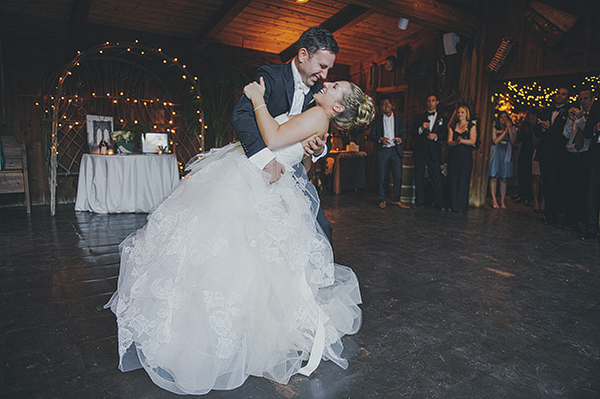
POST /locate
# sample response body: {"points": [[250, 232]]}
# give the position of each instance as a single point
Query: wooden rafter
{"points": [[225, 14], [426, 12], [345, 16]]}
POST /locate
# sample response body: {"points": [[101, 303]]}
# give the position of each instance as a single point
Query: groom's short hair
{"points": [[317, 38]]}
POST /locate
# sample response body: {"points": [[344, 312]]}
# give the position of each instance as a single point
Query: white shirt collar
{"points": [[298, 83]]}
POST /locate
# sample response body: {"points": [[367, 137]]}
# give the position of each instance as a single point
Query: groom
{"points": [[289, 90]]}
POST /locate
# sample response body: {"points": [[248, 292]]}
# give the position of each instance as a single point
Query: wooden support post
{"points": [[483, 108]]}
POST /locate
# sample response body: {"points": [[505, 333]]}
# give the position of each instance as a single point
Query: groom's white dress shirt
{"points": [[264, 156]]}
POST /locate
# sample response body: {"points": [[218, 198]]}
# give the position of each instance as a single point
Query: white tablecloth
{"points": [[124, 183]]}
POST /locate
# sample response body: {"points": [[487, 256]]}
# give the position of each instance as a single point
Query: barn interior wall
{"points": [[33, 51]]}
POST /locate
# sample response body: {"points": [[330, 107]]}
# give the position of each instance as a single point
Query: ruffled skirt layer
{"points": [[231, 277]]}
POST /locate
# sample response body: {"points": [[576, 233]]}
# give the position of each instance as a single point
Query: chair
{"points": [[13, 175]]}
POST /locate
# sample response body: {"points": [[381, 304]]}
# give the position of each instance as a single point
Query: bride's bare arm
{"points": [[297, 129]]}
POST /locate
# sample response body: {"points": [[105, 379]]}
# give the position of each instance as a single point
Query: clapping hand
{"points": [[545, 124], [575, 113], [255, 91]]}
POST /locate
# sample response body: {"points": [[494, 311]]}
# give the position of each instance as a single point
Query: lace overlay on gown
{"points": [[231, 277]]}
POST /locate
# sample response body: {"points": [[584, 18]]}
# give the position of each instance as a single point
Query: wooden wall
{"points": [[424, 52], [30, 57], [532, 59], [31, 54]]}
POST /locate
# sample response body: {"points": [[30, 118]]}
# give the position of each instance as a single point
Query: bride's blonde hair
{"points": [[359, 109]]}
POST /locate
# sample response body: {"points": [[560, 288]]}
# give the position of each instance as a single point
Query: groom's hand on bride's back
{"points": [[274, 169], [316, 146]]}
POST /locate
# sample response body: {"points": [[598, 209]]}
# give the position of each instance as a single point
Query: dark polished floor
{"points": [[492, 304]]}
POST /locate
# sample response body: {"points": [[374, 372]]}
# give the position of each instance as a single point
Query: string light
{"points": [[56, 103], [536, 95]]}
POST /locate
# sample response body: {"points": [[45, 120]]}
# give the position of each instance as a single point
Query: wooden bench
{"points": [[13, 175]]}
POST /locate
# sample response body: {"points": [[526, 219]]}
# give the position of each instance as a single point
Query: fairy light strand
{"points": [[536, 95], [55, 101]]}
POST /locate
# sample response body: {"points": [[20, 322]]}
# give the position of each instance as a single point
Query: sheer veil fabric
{"points": [[232, 277]]}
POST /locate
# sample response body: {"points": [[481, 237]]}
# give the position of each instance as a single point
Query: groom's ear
{"points": [[303, 55]]}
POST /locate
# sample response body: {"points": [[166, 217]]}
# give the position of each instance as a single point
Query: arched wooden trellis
{"points": [[132, 83]]}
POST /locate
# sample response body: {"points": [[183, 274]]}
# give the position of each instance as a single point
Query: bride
{"points": [[232, 276]]}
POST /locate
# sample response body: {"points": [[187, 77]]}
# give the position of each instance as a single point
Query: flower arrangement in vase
{"points": [[127, 140]]}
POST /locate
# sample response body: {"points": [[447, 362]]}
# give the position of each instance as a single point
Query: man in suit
{"points": [[525, 137], [552, 154], [592, 131], [289, 90], [387, 130], [577, 168], [430, 131]]}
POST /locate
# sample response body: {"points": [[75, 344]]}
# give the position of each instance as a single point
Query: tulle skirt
{"points": [[231, 277]]}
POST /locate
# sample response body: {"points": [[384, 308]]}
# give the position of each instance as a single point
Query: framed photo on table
{"points": [[155, 143], [98, 132]]}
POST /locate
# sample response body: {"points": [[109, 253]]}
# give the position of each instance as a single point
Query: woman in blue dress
{"points": [[462, 136], [504, 136]]}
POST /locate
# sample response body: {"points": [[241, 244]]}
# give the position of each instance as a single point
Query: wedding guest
{"points": [[462, 135], [504, 138], [429, 133], [552, 153], [592, 131], [388, 132], [525, 139], [536, 174], [577, 165]]}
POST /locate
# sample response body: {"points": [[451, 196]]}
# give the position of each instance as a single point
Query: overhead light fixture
{"points": [[402, 23], [301, 1]]}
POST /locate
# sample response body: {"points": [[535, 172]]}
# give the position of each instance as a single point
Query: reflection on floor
{"points": [[492, 304]]}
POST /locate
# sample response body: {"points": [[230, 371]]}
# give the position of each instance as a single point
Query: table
{"points": [[125, 183], [349, 170]]}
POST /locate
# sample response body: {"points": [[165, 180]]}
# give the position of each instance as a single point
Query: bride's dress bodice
{"points": [[293, 153]]}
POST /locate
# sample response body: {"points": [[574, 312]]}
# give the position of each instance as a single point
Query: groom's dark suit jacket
{"points": [[279, 93]]}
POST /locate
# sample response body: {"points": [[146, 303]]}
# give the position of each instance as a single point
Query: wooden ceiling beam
{"points": [[79, 16], [337, 21], [224, 15], [473, 9], [431, 13]]}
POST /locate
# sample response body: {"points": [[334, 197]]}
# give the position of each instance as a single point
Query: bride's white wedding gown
{"points": [[232, 277]]}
